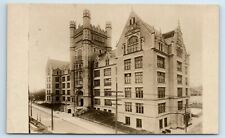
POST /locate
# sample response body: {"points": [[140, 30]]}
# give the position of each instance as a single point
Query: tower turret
{"points": [[108, 28], [86, 19]]}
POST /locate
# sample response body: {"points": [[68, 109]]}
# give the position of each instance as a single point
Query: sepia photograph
{"points": [[115, 69]]}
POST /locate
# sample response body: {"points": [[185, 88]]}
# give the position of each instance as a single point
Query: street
{"points": [[65, 123]]}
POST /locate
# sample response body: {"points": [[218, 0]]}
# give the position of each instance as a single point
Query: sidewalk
{"points": [[91, 126]]}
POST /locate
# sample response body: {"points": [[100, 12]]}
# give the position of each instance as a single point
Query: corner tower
{"points": [[87, 42]]}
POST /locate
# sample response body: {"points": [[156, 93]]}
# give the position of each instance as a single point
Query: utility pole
{"points": [[52, 127], [116, 109], [29, 111], [185, 118]]}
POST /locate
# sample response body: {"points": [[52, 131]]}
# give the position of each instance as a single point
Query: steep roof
{"points": [[168, 34], [54, 64]]}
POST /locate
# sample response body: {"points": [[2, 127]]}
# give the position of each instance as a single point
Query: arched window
{"points": [[132, 45]]}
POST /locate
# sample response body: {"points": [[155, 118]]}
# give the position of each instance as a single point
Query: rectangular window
{"points": [[179, 92], [56, 79], [186, 91], [179, 66], [165, 122], [57, 92], [186, 81], [160, 62], [107, 72], [179, 79], [108, 102], [128, 106], [68, 85], [68, 98], [63, 79], [96, 82], [97, 73], [180, 105], [161, 92], [128, 92], [57, 98], [186, 70], [127, 120], [63, 92], [139, 92], [64, 98], [107, 82], [127, 78], [161, 77], [97, 101], [138, 77], [107, 92], [68, 78], [187, 102], [96, 92], [161, 108], [127, 64], [68, 92], [138, 123], [160, 123], [139, 108], [56, 86], [63, 85], [138, 62]]}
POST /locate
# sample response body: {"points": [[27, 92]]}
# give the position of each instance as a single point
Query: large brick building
{"points": [[149, 68]]}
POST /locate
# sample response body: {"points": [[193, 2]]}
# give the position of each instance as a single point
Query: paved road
{"points": [[65, 123]]}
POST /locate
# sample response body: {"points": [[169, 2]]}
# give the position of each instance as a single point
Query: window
{"points": [[107, 72], [108, 102], [139, 92], [107, 82], [63, 92], [138, 123], [127, 64], [96, 92], [56, 79], [128, 106], [127, 120], [68, 78], [68, 98], [56, 86], [187, 102], [96, 82], [160, 123], [179, 52], [57, 92], [97, 101], [138, 62], [128, 92], [165, 122], [139, 108], [161, 92], [57, 98], [186, 91], [179, 79], [180, 105], [161, 77], [132, 45], [179, 92], [96, 64], [63, 85], [161, 108], [160, 46], [179, 66], [68, 85], [109, 111], [68, 92], [186, 81], [64, 98], [127, 78], [132, 20], [63, 78], [107, 62], [97, 73], [186, 70], [160, 62], [138, 77], [107, 92]]}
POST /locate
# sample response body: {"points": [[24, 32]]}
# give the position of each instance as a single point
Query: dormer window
{"points": [[107, 62], [132, 20]]}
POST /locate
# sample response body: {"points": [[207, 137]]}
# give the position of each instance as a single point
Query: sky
{"points": [[49, 31]]}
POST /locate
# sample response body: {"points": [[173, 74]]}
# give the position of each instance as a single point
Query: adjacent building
{"points": [[149, 70]]}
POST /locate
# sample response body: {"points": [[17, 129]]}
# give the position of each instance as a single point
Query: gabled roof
{"points": [[54, 64], [168, 34]]}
